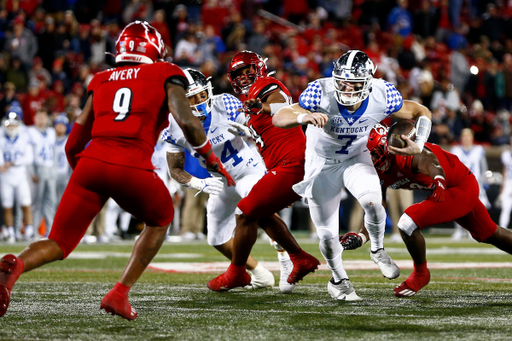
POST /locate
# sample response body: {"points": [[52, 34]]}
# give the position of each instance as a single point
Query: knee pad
{"points": [[406, 224], [330, 248], [372, 205]]}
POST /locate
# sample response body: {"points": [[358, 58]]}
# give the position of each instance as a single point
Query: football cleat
{"points": [[303, 264], [286, 266], [387, 266], [414, 283], [342, 291], [10, 270], [403, 290], [226, 282], [351, 241], [261, 278], [117, 304]]}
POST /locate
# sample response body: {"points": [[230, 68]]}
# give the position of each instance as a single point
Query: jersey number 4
{"points": [[122, 103]]}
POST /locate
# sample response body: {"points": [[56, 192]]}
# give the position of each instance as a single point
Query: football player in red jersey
{"points": [[126, 110], [454, 198], [283, 152]]}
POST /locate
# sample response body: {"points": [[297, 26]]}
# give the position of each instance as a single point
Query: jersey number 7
{"points": [[122, 103]]}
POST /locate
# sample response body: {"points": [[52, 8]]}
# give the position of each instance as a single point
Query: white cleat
{"points": [[342, 291], [286, 265], [261, 278], [387, 266]]}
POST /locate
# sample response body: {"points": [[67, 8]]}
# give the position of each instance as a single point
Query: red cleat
{"points": [[116, 303], [229, 280], [303, 264], [11, 267], [412, 284]]}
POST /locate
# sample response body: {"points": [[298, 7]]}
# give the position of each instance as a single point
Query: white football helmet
{"points": [[197, 84], [11, 124], [352, 76]]}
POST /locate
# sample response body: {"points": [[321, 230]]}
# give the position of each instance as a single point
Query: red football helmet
{"points": [[139, 42], [378, 146], [242, 82]]}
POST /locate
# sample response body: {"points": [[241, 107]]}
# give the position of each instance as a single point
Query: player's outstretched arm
{"points": [[427, 163], [176, 163], [294, 115], [414, 111], [192, 128], [269, 105], [80, 134]]}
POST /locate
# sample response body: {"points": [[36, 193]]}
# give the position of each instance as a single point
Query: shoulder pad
{"points": [[264, 86]]}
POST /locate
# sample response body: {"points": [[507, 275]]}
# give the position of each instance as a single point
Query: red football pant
{"points": [[272, 192], [461, 205], [140, 192]]}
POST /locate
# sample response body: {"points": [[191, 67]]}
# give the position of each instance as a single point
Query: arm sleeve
{"points": [[394, 100], [310, 98]]}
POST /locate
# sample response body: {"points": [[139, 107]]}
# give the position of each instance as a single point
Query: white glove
{"points": [[208, 185], [239, 129]]}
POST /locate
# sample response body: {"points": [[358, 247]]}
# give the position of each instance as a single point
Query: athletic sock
{"points": [[121, 288]]}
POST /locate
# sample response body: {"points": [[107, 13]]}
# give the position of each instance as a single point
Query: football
{"points": [[402, 127]]}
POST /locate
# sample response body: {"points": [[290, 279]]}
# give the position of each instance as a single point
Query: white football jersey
{"points": [[159, 160], [473, 158], [506, 160], [233, 152], [345, 134], [17, 150], [63, 167], [43, 144]]}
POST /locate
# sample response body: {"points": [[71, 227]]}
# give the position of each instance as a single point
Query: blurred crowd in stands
{"points": [[453, 56]]}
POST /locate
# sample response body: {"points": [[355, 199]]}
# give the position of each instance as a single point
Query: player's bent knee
{"points": [[324, 233], [371, 203], [406, 224]]}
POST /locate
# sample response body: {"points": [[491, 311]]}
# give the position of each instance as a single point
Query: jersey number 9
{"points": [[122, 103]]}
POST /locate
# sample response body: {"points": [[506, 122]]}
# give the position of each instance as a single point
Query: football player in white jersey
{"points": [[43, 140], [505, 196], [60, 124], [16, 154], [340, 112], [240, 161], [473, 157]]}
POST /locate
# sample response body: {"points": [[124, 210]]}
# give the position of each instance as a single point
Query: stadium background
{"points": [[453, 56]]}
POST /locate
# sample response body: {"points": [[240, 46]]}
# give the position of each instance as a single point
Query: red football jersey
{"points": [[400, 174], [277, 146], [130, 110]]}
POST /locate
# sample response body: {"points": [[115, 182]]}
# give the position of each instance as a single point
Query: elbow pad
{"points": [[423, 127]]}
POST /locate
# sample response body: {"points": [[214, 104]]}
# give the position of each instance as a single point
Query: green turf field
{"points": [[61, 300]]}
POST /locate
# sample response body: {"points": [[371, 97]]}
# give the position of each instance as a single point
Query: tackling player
{"points": [[283, 153], [340, 112], [125, 112], [455, 197], [246, 168]]}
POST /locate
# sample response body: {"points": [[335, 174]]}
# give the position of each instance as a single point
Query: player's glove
{"points": [[213, 163], [253, 106], [209, 185], [439, 188], [351, 241], [239, 129]]}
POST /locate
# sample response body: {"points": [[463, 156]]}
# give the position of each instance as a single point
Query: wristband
{"points": [[423, 127], [300, 118], [203, 150], [363, 238], [275, 107], [192, 183]]}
